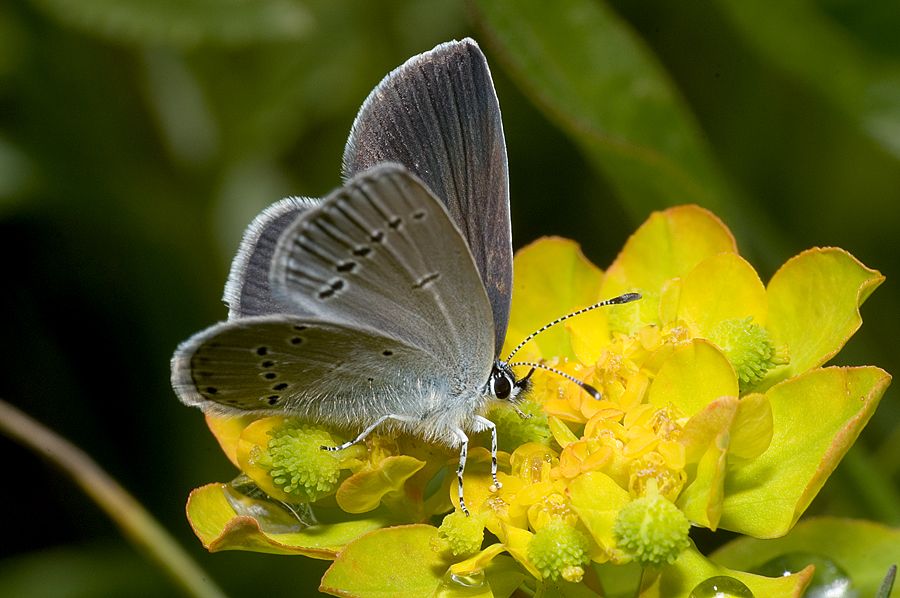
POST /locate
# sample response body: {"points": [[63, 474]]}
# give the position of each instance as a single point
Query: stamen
{"points": [[584, 385], [626, 298]]}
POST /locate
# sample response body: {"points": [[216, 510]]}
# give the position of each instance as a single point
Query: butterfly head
{"points": [[503, 384]]}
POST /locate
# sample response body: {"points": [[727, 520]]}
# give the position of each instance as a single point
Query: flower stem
{"points": [[135, 522]]}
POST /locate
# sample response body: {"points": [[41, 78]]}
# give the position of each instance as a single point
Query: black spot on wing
{"points": [[426, 280], [332, 288]]}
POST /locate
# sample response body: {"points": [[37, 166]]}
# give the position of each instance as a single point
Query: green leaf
{"points": [[814, 301], [863, 549], [184, 23], [816, 418], [220, 527], [800, 40], [393, 562], [591, 74]]}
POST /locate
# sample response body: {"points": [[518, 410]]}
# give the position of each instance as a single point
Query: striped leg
{"points": [[489, 425], [463, 452], [367, 431]]}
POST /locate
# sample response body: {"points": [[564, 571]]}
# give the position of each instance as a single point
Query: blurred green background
{"points": [[139, 137]]}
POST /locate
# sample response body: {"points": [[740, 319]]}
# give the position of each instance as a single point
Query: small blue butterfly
{"points": [[386, 302]]}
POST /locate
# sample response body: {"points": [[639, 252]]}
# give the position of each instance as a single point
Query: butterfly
{"points": [[385, 303]]}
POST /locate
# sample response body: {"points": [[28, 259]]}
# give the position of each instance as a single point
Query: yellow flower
{"points": [[715, 412]]}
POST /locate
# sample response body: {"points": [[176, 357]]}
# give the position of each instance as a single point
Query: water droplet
{"points": [[273, 516], [472, 584], [829, 580], [721, 586]]}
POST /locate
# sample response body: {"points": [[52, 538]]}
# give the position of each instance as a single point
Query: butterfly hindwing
{"points": [[247, 292], [438, 115], [282, 363], [382, 254]]}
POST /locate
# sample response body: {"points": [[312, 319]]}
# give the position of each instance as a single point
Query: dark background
{"points": [[137, 139]]}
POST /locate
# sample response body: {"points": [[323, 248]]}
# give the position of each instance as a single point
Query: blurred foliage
{"points": [[138, 138]]}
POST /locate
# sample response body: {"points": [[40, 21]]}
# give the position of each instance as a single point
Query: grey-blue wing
{"points": [[247, 292], [438, 115], [327, 371], [382, 254]]}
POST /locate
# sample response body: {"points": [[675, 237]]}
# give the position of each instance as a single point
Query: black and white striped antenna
{"points": [[626, 298]]}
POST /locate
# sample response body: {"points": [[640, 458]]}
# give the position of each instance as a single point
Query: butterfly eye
{"points": [[500, 385]]}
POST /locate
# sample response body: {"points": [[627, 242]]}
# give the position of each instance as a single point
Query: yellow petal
{"points": [[814, 302], [752, 429], [516, 541], [227, 430], [477, 563], [706, 438], [597, 499], [668, 245], [722, 287], [562, 434], [364, 490], [817, 417], [553, 278], [691, 377]]}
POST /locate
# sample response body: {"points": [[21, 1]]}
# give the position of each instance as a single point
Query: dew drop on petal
{"points": [[828, 581], [721, 586], [472, 584]]}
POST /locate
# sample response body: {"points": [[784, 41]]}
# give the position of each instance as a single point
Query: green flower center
{"points": [[651, 530], [748, 347], [513, 430], [559, 550], [462, 535], [299, 467]]}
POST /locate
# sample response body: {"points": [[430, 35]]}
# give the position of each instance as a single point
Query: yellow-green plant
{"points": [[718, 411]]}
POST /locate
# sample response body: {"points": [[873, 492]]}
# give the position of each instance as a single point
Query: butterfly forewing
{"points": [[438, 115], [382, 253], [247, 292], [387, 315], [331, 372]]}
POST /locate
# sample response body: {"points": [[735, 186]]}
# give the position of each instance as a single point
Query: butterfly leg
{"points": [[486, 424], [463, 452], [367, 431], [521, 413]]}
